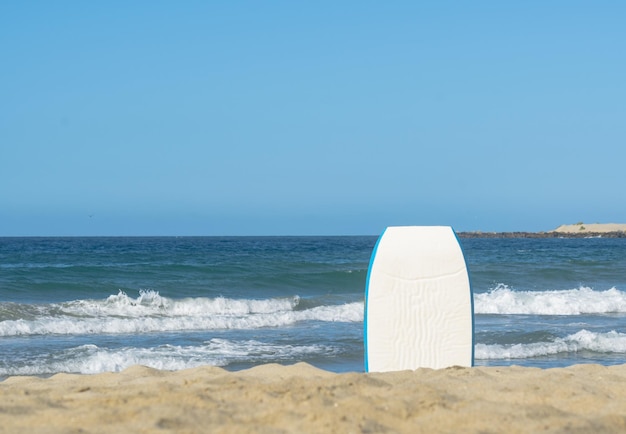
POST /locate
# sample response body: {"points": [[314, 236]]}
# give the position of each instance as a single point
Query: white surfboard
{"points": [[418, 301]]}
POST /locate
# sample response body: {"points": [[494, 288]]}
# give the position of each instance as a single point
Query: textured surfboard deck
{"points": [[418, 301]]}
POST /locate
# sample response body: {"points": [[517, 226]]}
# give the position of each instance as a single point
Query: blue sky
{"points": [[330, 117]]}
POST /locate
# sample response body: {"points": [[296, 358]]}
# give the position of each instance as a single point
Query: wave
{"points": [[150, 303], [584, 300], [151, 312], [91, 359], [584, 340]]}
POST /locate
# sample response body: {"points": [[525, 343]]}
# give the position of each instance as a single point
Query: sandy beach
{"points": [[301, 398], [591, 228]]}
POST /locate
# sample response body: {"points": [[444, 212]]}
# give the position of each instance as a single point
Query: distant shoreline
{"points": [[578, 230], [551, 234]]}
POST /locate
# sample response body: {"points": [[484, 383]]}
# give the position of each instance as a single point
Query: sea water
{"points": [[91, 305]]}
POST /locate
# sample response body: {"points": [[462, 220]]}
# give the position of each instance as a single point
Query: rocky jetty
{"points": [[551, 234], [578, 230]]}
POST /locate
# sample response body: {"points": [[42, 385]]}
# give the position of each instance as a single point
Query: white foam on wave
{"points": [[583, 300], [151, 303], [151, 312], [91, 359], [584, 340]]}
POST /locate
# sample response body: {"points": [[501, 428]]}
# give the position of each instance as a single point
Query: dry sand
{"points": [[592, 228], [303, 399]]}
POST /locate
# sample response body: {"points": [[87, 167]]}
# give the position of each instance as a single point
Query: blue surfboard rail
{"points": [[367, 285]]}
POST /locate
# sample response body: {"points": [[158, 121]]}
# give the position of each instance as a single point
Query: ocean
{"points": [[92, 305]]}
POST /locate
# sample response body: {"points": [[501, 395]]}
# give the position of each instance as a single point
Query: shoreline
{"points": [[302, 398], [578, 230], [551, 234]]}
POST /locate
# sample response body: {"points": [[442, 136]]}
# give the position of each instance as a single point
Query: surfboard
{"points": [[418, 301]]}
